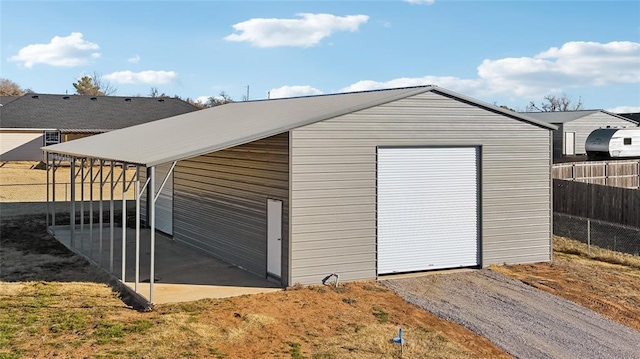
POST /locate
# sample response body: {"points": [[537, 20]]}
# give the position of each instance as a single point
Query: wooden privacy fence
{"points": [[611, 204], [625, 173]]}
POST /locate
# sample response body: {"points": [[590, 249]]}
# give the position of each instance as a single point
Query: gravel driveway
{"points": [[523, 321]]}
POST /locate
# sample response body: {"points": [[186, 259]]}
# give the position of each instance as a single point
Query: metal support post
{"points": [[91, 181], [101, 213], [73, 202], [152, 214], [82, 203], [124, 220], [111, 219]]}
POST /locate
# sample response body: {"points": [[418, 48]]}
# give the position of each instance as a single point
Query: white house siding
{"points": [[333, 183], [585, 125], [220, 201], [21, 146]]}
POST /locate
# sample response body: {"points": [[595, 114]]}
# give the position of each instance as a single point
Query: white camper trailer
{"points": [[613, 143]]}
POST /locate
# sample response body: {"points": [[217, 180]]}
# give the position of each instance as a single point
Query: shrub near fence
{"points": [[611, 204]]}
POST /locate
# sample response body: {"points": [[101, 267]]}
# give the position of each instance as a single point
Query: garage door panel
{"points": [[427, 208]]}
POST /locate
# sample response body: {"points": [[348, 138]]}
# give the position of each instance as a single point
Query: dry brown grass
{"points": [[46, 319], [570, 246], [53, 304], [24, 182]]}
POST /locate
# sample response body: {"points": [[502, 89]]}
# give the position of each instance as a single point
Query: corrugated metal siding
{"points": [[333, 201], [585, 125], [220, 201], [164, 204], [21, 146]]}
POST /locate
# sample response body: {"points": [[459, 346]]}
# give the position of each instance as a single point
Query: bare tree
{"points": [[10, 88], [94, 85], [221, 99], [554, 103]]}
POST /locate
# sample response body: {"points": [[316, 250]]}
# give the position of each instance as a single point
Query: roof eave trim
{"points": [[494, 108], [621, 117]]}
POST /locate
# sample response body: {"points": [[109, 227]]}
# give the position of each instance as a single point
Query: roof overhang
{"points": [[200, 132]]}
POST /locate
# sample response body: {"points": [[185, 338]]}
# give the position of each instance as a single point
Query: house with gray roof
{"points": [[356, 185], [575, 126], [34, 120], [635, 116]]}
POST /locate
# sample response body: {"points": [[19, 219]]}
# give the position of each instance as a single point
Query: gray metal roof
{"points": [[75, 112], [557, 117], [233, 124]]}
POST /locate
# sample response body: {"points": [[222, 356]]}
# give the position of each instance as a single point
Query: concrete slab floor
{"points": [[182, 273]]}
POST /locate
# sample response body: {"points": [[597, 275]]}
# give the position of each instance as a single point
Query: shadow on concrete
{"points": [[182, 273]]}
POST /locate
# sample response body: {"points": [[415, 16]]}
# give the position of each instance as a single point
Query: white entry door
{"points": [[427, 208], [274, 237], [570, 143]]}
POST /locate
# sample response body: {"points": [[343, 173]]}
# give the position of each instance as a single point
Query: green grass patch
{"points": [[139, 326], [69, 321], [217, 354], [323, 356], [294, 350], [106, 332], [349, 301], [7, 333], [380, 314], [16, 354]]}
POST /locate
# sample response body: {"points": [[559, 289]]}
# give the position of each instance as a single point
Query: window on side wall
{"points": [[627, 141], [51, 137]]}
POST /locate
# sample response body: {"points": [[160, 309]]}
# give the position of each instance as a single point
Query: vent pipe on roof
{"points": [[65, 97], [161, 100], [94, 99], [35, 96], [127, 100]]}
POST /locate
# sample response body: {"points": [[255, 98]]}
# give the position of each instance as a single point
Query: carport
{"points": [[127, 249]]}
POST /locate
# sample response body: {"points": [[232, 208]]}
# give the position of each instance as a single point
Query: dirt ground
{"points": [[54, 304]]}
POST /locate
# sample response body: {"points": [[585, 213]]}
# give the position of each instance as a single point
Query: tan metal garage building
{"points": [[356, 184]]}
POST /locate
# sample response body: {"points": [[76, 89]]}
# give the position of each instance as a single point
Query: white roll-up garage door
{"points": [[427, 208], [164, 204]]}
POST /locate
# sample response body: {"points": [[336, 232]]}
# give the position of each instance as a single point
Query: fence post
{"points": [[589, 236]]}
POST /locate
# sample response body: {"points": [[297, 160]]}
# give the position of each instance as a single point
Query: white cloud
{"points": [[624, 109], [202, 99], [452, 83], [575, 64], [293, 91], [68, 51], [134, 60], [307, 31], [142, 77], [418, 2]]}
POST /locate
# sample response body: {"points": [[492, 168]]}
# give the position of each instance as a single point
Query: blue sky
{"points": [[502, 52]]}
